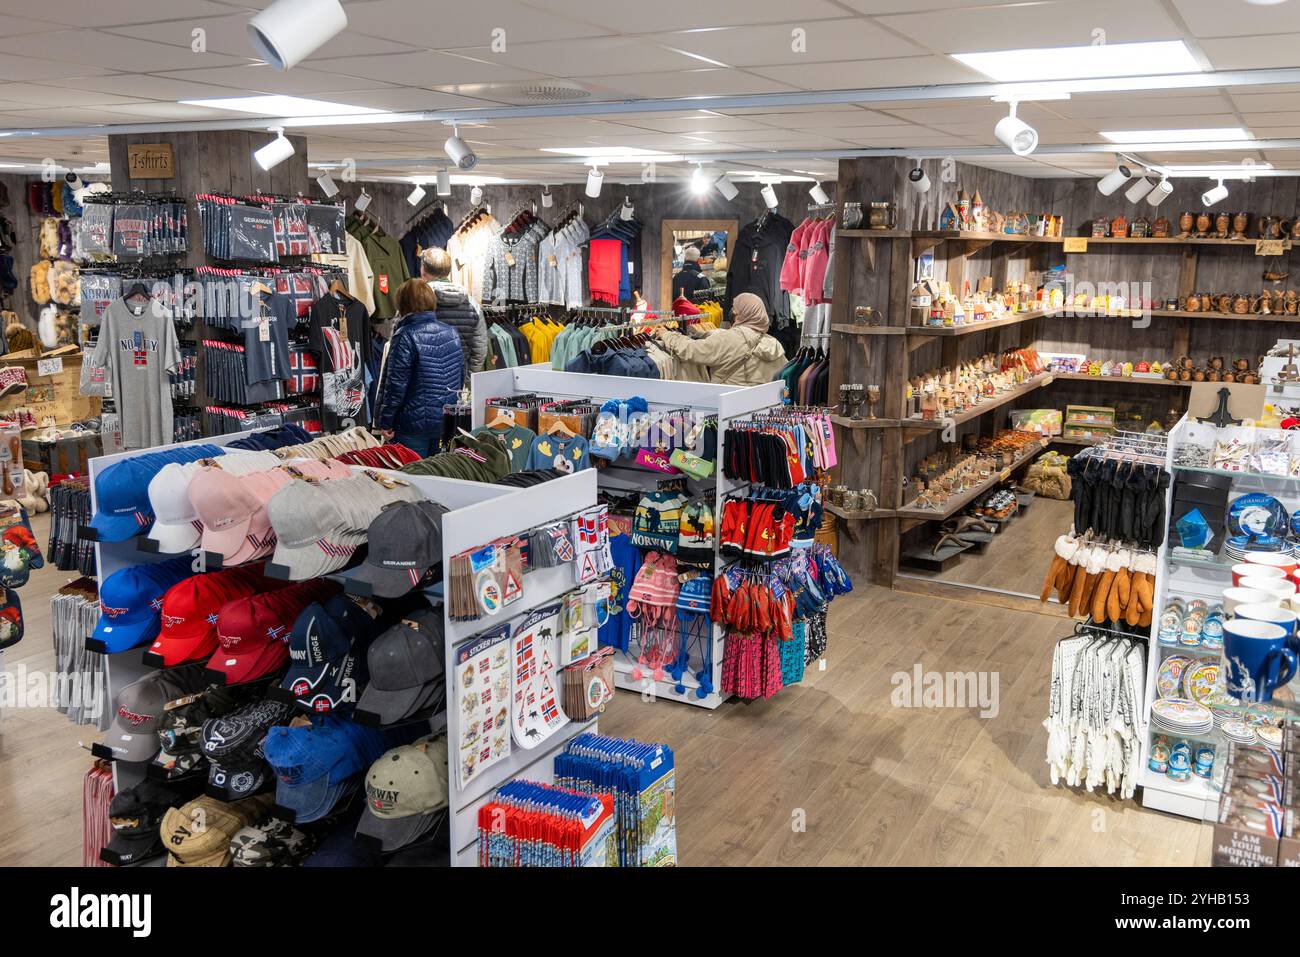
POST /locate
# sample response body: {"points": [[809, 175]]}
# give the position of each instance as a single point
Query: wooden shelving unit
{"points": [[988, 405], [962, 499], [1120, 380]]}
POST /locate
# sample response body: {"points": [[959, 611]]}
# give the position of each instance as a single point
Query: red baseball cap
{"points": [[253, 632], [189, 611]]}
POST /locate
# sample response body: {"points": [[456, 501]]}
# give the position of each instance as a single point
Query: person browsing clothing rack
{"points": [[456, 308], [422, 370], [742, 354]]}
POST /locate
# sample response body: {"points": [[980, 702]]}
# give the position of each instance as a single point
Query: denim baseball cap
{"points": [[122, 507], [130, 602]]}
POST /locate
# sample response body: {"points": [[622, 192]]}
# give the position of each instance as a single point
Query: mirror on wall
{"points": [[693, 256]]}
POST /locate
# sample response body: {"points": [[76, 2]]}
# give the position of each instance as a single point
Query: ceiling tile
{"points": [[139, 86], [229, 35], [1253, 53], [426, 69], [633, 18], [706, 82], [260, 78], [875, 7], [30, 68], [593, 56], [37, 94], [1253, 102], [690, 122], [1130, 106], [1208, 18], [824, 40], [1061, 23], [872, 73], [96, 13], [111, 51], [468, 24]]}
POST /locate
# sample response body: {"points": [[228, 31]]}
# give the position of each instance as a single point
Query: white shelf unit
{"points": [[725, 401], [479, 513]]}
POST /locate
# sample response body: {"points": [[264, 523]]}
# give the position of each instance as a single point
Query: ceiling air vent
{"points": [[547, 92]]}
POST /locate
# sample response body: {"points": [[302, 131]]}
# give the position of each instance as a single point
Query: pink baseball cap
{"points": [[225, 505], [259, 540]]}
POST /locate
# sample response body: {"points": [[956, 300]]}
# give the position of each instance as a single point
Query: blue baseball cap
{"points": [[327, 655], [130, 603], [122, 508], [320, 764]]}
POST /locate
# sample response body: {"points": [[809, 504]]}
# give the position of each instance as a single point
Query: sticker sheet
{"points": [[536, 707], [483, 668]]}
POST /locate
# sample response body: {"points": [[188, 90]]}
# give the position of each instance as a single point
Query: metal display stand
{"points": [[725, 401], [479, 513]]}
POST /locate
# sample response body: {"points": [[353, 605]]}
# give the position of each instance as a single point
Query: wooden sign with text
{"points": [[150, 161], [1074, 244]]}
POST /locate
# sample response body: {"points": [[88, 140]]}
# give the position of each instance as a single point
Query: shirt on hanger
{"points": [[138, 350]]}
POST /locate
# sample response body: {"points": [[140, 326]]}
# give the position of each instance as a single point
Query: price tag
{"points": [[49, 366], [631, 268], [510, 259], [1075, 244], [551, 260], [263, 330], [1270, 247], [1005, 474]]}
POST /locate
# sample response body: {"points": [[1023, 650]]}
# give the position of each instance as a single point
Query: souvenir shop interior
{"points": [[557, 438]]}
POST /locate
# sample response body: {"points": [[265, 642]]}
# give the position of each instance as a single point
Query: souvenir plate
{"points": [[1238, 731], [1169, 679], [1199, 681], [1180, 712], [1270, 736], [1256, 514]]}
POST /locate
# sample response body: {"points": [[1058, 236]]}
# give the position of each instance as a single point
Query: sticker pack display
{"points": [[483, 697], [536, 711], [643, 780]]}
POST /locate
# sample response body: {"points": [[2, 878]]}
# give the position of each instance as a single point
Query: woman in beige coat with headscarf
{"points": [[743, 354]]}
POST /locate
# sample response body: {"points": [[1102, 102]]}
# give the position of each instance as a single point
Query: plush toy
{"points": [[65, 283], [36, 487], [47, 326]]}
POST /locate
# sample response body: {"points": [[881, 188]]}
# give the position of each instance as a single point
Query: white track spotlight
{"points": [[476, 195], [627, 210], [1215, 195], [327, 185], [699, 182], [416, 195], [595, 180], [920, 182], [362, 201], [1160, 192], [819, 195], [548, 198], [1139, 189], [769, 196], [289, 31], [1114, 180], [444, 182], [726, 187], [1015, 134], [459, 152], [275, 152]]}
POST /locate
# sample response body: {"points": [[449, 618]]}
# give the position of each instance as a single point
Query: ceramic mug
{"points": [[1284, 618], [1233, 597], [1258, 659], [1283, 589], [1274, 560], [1251, 570]]}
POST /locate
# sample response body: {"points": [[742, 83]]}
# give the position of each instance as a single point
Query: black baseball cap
{"points": [[232, 744], [327, 655], [405, 541], [136, 815], [406, 668]]}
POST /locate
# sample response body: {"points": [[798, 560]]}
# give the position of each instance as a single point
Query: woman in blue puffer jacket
{"points": [[422, 371]]}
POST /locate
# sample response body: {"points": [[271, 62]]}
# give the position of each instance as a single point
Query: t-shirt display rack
{"points": [[479, 513], [727, 402]]}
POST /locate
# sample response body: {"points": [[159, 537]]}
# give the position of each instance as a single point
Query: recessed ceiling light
{"points": [[1068, 63], [1223, 134], [277, 105]]}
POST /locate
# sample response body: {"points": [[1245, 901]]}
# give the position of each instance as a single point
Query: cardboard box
{"points": [[51, 392]]}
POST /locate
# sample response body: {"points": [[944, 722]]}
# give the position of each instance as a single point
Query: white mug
{"points": [[1232, 597], [1284, 589]]}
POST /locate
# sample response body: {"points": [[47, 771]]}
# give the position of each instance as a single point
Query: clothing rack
{"points": [[813, 207], [427, 208]]}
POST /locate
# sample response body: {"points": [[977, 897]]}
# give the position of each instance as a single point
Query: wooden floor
{"points": [[828, 772], [1019, 554]]}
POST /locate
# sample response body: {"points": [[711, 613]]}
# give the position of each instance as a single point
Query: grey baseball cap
{"points": [[405, 542], [138, 710], [406, 790], [313, 535], [406, 668]]}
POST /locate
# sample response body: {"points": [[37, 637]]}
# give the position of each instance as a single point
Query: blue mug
{"points": [[1258, 659], [1284, 618]]}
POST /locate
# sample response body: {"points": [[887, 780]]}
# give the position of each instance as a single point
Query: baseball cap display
{"points": [[406, 668], [405, 542], [327, 654], [198, 833], [253, 633], [138, 711], [176, 527], [190, 609], [406, 790], [232, 743], [180, 732], [319, 761], [130, 603], [122, 507], [136, 815], [225, 504], [272, 843]]}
